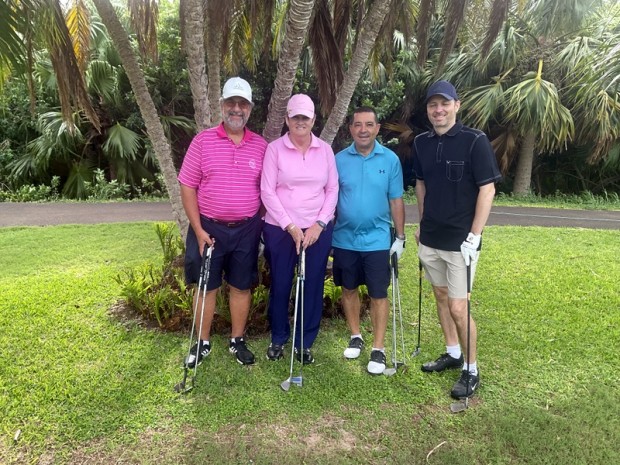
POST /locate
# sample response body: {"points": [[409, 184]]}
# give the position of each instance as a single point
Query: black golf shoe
{"points": [[444, 362], [462, 389], [275, 351], [191, 360], [308, 358], [377, 362], [239, 348], [355, 347]]}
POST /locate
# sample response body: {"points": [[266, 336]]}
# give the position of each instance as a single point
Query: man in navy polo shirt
{"points": [[456, 171], [370, 197]]}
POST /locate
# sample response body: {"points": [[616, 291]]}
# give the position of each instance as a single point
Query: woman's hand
{"points": [[311, 235]]}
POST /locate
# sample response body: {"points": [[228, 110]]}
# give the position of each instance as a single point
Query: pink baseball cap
{"points": [[300, 104]]}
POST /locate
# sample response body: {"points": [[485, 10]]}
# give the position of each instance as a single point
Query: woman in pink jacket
{"points": [[299, 188]]}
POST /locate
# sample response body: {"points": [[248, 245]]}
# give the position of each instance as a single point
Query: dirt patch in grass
{"points": [[325, 437]]}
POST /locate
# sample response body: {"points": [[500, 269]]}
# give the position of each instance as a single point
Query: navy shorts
{"points": [[352, 269], [234, 257]]}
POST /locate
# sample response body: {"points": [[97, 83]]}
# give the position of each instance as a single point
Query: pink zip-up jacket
{"points": [[299, 188]]}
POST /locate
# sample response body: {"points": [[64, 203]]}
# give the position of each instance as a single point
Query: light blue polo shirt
{"points": [[366, 185]]}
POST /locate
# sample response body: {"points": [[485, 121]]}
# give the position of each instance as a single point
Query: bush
{"points": [[29, 193], [159, 293]]}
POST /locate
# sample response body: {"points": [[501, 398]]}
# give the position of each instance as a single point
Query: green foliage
{"points": [[159, 292], [28, 193], [101, 189]]}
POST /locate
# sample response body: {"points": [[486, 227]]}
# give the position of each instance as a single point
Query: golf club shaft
{"points": [[419, 303], [468, 327]]}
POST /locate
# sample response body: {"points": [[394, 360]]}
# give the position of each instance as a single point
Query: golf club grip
{"points": [[302, 263], [394, 260], [206, 263]]}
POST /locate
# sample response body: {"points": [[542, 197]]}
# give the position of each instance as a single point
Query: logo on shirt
{"points": [[381, 171], [252, 164]]}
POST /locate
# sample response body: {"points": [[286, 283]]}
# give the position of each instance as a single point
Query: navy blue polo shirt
{"points": [[453, 166]]}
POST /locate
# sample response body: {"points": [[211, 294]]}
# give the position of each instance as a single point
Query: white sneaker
{"points": [[355, 348], [376, 366]]}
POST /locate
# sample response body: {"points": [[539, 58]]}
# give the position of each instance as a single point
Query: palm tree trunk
{"points": [[154, 128], [366, 39], [214, 43], [297, 22], [523, 174], [195, 49]]}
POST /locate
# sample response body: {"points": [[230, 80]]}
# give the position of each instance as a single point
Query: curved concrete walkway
{"points": [[44, 214]]}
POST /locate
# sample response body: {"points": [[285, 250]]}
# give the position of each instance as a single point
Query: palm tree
{"points": [[154, 127], [297, 21], [533, 112]]}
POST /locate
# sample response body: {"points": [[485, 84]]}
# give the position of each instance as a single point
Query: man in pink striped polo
{"points": [[220, 190]]}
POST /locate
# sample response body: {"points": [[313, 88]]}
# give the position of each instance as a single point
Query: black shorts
{"points": [[352, 269], [235, 254]]}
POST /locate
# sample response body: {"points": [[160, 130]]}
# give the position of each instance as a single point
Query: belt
{"points": [[229, 224]]}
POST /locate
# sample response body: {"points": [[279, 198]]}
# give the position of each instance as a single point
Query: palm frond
{"points": [[144, 15], [427, 8], [343, 9], [484, 103], [102, 78], [499, 11], [121, 143], [78, 24], [455, 13], [534, 104], [327, 60]]}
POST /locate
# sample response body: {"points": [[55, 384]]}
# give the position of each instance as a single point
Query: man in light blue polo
{"points": [[370, 198]]}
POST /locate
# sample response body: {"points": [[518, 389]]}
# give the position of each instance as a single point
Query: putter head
{"points": [[297, 381], [389, 371], [182, 388], [460, 406]]}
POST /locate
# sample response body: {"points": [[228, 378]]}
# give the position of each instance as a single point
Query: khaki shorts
{"points": [[447, 269]]}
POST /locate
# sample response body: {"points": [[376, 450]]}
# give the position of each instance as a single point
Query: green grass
{"points": [[83, 387]]}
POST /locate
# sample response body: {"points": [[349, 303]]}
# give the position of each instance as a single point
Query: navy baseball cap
{"points": [[443, 88]]}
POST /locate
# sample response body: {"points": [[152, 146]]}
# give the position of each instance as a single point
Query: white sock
{"points": [[353, 336], [380, 350], [454, 351], [473, 368]]}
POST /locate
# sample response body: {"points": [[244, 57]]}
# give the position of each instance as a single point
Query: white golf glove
{"points": [[469, 248], [398, 247]]}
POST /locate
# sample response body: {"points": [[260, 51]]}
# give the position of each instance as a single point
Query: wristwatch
{"points": [[321, 224], [402, 237]]}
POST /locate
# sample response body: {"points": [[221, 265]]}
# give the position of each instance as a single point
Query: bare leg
{"points": [[239, 310], [446, 321], [379, 313], [207, 317], [458, 310], [351, 306]]}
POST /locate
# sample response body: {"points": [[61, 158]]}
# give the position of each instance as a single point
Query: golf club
{"points": [[202, 288], [417, 348], [299, 290], [395, 299], [463, 403]]}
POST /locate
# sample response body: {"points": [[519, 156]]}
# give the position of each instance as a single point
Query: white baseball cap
{"points": [[237, 87]]}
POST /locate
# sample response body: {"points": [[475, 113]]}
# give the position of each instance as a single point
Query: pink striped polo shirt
{"points": [[226, 176]]}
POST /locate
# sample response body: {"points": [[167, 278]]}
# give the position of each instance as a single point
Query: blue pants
{"points": [[282, 259]]}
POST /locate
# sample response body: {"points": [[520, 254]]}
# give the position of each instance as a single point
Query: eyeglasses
{"points": [[233, 102]]}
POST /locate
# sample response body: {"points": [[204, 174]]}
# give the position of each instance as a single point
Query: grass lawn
{"points": [[79, 386]]}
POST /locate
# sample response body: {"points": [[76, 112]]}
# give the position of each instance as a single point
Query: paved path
{"points": [[44, 214]]}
